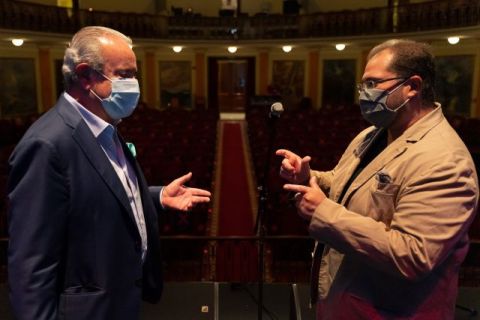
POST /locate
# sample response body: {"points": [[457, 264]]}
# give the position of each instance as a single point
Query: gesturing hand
{"points": [[294, 169], [176, 196], [307, 198]]}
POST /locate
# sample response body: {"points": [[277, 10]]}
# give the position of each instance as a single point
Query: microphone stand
{"points": [[275, 112]]}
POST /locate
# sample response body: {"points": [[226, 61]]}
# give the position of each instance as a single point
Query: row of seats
{"points": [[169, 144], [322, 134], [172, 142]]}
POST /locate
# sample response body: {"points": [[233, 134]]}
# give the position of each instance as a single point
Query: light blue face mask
{"points": [[373, 105], [123, 99]]}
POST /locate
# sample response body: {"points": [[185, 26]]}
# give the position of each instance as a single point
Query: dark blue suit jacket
{"points": [[74, 249]]}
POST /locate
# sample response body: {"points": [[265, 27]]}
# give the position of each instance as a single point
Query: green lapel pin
{"points": [[132, 149]]}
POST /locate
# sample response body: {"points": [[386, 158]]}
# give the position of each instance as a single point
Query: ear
{"points": [[415, 86], [84, 75]]}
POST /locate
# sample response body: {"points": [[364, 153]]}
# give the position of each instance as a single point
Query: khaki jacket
{"points": [[394, 246]]}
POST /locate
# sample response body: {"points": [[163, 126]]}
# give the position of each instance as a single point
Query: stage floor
{"points": [[185, 301]]}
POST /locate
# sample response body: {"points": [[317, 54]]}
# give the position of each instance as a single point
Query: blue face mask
{"points": [[373, 104], [123, 99]]}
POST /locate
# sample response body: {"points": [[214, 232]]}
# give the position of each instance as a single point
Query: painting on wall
{"points": [[175, 84], [19, 92], [454, 79], [338, 82], [288, 81]]}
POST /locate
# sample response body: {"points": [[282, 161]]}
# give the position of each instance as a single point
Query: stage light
{"points": [[287, 49], [177, 49], [232, 49], [340, 46], [453, 40], [17, 42]]}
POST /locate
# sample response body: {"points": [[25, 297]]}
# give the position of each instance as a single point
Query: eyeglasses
{"points": [[372, 83]]}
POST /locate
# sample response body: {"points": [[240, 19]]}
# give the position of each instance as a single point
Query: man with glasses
{"points": [[394, 213]]}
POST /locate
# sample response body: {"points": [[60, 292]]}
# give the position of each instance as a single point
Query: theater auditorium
{"points": [[223, 85]]}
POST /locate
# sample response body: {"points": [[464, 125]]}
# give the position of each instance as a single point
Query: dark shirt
{"points": [[377, 146]]}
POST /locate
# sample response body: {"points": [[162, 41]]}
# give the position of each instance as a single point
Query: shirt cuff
{"points": [[160, 195]]}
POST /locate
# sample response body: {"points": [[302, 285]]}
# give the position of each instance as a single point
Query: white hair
{"points": [[85, 48]]}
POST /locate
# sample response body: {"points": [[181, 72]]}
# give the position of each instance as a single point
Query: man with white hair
{"points": [[84, 239]]}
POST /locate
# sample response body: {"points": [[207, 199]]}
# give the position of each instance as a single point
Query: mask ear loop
{"points": [[96, 95], [400, 106], [392, 91]]}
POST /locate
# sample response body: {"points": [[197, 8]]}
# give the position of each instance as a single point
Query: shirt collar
{"points": [[96, 124]]}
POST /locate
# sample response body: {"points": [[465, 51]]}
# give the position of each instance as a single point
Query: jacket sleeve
{"points": [[38, 215], [155, 192], [324, 179]]}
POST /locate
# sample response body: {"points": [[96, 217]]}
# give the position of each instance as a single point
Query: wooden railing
{"points": [[430, 15]]}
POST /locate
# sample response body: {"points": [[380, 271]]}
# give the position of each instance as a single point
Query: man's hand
{"points": [[294, 169], [176, 196], [307, 198]]}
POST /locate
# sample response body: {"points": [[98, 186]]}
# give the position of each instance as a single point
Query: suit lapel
{"points": [[378, 163], [142, 185], [94, 154], [392, 151]]}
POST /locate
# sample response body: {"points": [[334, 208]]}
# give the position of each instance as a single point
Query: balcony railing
{"points": [[430, 15]]}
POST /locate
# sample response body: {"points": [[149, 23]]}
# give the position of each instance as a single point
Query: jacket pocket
{"points": [[383, 201], [83, 303]]}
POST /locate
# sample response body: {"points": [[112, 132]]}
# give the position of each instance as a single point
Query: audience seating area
{"points": [[169, 144], [322, 134], [172, 142]]}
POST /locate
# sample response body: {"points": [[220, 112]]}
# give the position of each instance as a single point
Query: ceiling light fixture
{"points": [[232, 49], [287, 49], [177, 49], [17, 42], [340, 46], [453, 40]]}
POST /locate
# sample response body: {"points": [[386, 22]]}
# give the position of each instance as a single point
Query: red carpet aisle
{"points": [[234, 206], [235, 210]]}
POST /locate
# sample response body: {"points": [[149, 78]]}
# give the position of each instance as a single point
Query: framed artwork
{"points": [[19, 92], [454, 79], [288, 81], [338, 82], [175, 84]]}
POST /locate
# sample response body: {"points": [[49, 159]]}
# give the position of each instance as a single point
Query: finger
{"points": [[287, 165], [286, 174], [306, 159], [295, 188], [196, 200], [286, 153], [183, 179], [313, 183], [199, 192]]}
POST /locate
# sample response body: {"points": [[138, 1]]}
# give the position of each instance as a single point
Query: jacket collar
{"points": [[412, 135]]}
